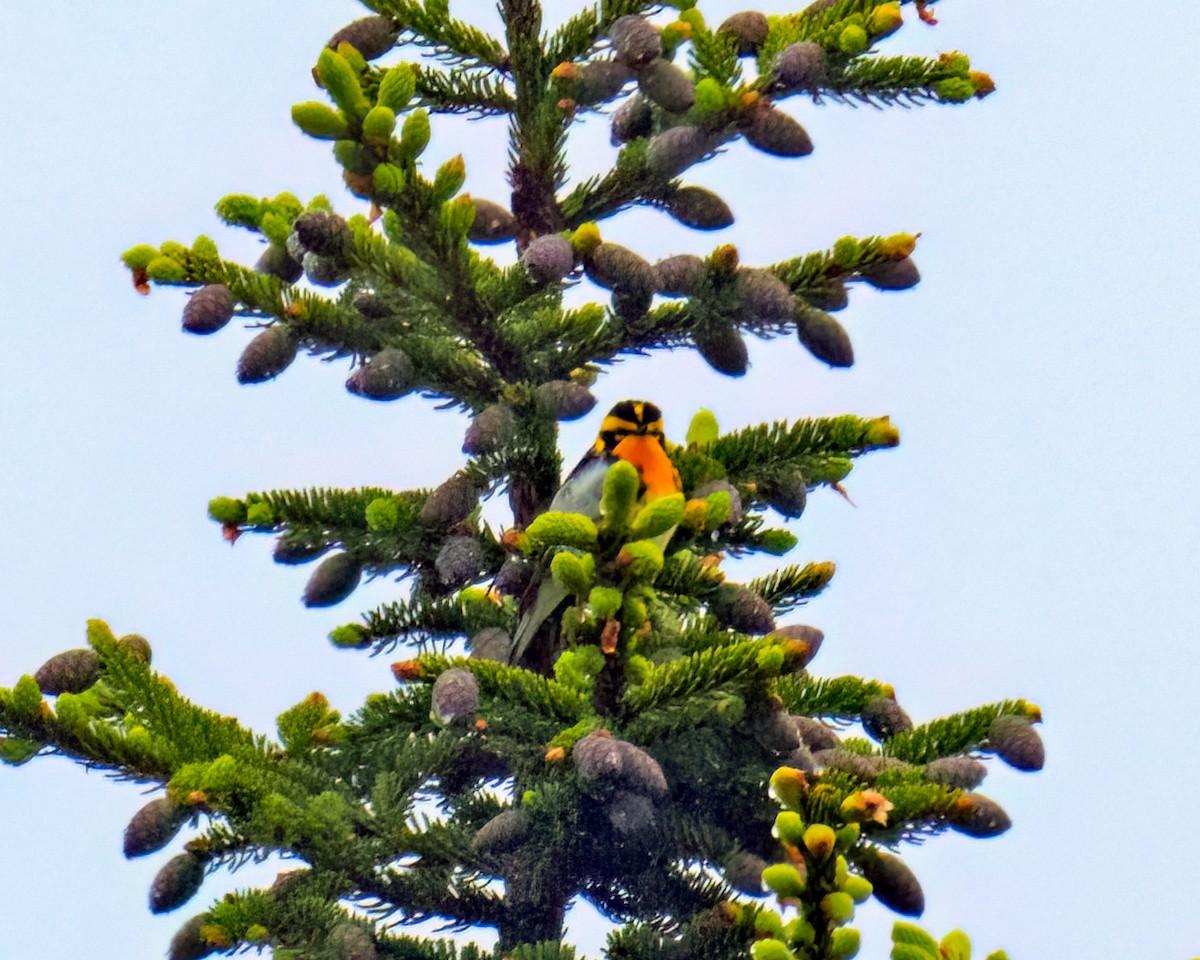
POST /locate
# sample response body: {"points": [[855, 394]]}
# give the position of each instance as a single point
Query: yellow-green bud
{"points": [[573, 573], [166, 270], [621, 484], [789, 827], [449, 179], [642, 559], [668, 86], [858, 887], [771, 949], [885, 20], [562, 529], [456, 216], [339, 79], [319, 120], [819, 840], [844, 943], [703, 429], [377, 126], [139, 257], [711, 97], [852, 40], [784, 880], [838, 907], [910, 935], [719, 505], [955, 945], [414, 135], [658, 516], [633, 612], [788, 786], [388, 180], [27, 697], [605, 601], [397, 87], [848, 835]]}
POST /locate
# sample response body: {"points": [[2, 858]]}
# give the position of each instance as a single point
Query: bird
{"points": [[631, 431]]}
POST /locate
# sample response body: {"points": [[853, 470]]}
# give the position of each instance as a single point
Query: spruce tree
{"points": [[658, 743]]}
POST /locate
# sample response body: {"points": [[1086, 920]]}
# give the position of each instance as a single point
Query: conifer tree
{"points": [[654, 740]]}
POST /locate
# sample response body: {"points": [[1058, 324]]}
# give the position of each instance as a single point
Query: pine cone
{"points": [[388, 375], [370, 36], [964, 773], [352, 941], [631, 120], [176, 883], [799, 66], [325, 271], [333, 581], [503, 832], [865, 768], [892, 274], [455, 696], [153, 827], [599, 80], [459, 561], [668, 86], [636, 42], [548, 258], [136, 646], [823, 336], [978, 816], [743, 872], [276, 262], [742, 609], [1017, 743], [631, 814], [831, 296], [883, 718], [565, 399], [775, 731], [71, 671], [749, 29], [449, 503], [489, 430], [893, 883], [208, 309], [671, 152], [514, 576], [618, 268], [811, 637], [773, 131], [802, 759], [289, 551], [699, 209], [323, 233], [491, 643], [267, 355], [763, 297], [187, 944], [815, 734], [492, 223], [680, 276], [598, 757], [722, 347]]}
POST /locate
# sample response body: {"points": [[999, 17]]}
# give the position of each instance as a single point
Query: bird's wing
{"points": [[580, 493]]}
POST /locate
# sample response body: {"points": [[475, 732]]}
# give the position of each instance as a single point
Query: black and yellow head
{"points": [[629, 418], [633, 431]]}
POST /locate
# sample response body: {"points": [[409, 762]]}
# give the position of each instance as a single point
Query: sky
{"points": [[1035, 534]]}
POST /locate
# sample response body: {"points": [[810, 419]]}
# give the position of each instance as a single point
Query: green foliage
{"points": [[625, 759]]}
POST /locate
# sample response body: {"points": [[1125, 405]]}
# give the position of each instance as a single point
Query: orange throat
{"points": [[655, 467]]}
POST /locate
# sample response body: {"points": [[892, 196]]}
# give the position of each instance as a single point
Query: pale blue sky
{"points": [[1034, 535]]}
